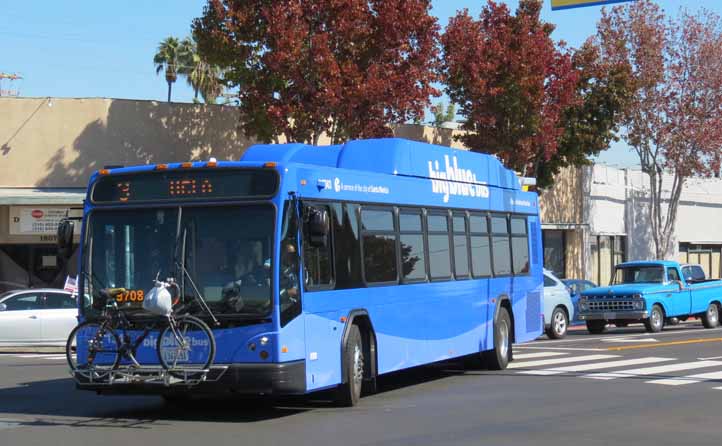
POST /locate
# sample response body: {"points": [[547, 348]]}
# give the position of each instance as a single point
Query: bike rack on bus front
{"points": [[149, 375]]}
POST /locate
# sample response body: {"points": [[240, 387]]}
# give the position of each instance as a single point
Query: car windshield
{"points": [[638, 274], [226, 251]]}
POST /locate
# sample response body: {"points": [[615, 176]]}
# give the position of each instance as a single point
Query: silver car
{"points": [[558, 307], [43, 316]]}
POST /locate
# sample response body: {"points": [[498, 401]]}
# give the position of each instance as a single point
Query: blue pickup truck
{"points": [[652, 292]]}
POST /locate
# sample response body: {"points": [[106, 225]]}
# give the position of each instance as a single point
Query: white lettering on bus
{"points": [[455, 180]]}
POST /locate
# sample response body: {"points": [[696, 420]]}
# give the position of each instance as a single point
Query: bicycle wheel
{"points": [[185, 346], [93, 347]]}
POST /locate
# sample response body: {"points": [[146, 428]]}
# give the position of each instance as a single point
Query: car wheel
{"points": [[596, 327], [672, 321], [559, 324], [655, 322], [710, 318]]}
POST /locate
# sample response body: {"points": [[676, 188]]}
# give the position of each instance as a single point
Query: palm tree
{"points": [[203, 77], [169, 57]]}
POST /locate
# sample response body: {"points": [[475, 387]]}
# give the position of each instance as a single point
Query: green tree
{"points": [[169, 57], [203, 77], [442, 115]]}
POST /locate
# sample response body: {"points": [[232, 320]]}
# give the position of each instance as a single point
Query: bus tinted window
{"points": [[520, 254], [518, 226], [477, 224], [409, 221], [413, 264], [461, 246], [317, 259], [439, 256], [498, 225], [437, 222], [480, 256], [377, 220], [380, 257], [500, 249], [348, 246]]}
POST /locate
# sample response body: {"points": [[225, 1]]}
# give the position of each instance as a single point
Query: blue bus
{"points": [[325, 267]]}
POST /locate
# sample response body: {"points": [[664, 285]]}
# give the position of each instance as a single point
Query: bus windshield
{"points": [[226, 251], [638, 274]]}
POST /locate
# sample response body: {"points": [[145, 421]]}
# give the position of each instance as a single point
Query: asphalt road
{"points": [[623, 387]]}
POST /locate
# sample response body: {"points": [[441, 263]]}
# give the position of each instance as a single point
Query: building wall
{"points": [[563, 203]]}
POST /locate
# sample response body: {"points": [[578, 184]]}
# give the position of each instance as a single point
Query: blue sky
{"points": [[82, 48]]}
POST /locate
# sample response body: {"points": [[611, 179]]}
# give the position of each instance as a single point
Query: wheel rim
{"points": [[656, 318], [560, 323], [712, 314], [503, 339], [358, 368]]}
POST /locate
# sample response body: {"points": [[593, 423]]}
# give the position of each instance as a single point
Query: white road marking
{"points": [[537, 355], [691, 379], [653, 370], [38, 356], [616, 340], [562, 349], [707, 359], [683, 332], [596, 366], [543, 362]]}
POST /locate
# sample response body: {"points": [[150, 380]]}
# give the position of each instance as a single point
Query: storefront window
{"points": [[554, 256]]}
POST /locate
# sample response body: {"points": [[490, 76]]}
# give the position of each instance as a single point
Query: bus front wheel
{"points": [[349, 392], [498, 358]]}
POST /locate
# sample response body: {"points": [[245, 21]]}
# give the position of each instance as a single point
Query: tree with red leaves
{"points": [[674, 122], [512, 83], [348, 68]]}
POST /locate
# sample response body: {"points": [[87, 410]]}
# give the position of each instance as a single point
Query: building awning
{"points": [[41, 196], [564, 226]]}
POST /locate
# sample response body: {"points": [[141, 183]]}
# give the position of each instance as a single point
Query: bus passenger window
{"points": [[500, 246], [461, 247], [480, 246], [519, 246], [379, 245], [289, 293], [413, 259], [439, 249], [317, 259], [347, 246]]}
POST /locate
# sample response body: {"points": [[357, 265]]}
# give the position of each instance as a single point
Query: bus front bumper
{"points": [[287, 378]]}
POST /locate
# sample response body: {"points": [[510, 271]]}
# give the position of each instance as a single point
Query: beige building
{"points": [[49, 147]]}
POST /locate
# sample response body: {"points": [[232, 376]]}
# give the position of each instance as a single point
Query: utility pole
{"points": [[11, 77]]}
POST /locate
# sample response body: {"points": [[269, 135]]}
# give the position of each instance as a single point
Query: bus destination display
{"points": [[183, 185]]}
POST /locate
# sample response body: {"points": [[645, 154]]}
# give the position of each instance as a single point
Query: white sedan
{"points": [[43, 316]]}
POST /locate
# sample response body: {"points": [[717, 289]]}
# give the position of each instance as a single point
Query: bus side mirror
{"points": [[318, 227], [65, 239]]}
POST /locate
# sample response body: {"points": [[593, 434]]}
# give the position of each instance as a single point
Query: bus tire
{"points": [[498, 358], [596, 326], [655, 322], [710, 318], [349, 393]]}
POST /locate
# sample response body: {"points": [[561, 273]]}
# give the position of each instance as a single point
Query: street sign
{"points": [[568, 4]]}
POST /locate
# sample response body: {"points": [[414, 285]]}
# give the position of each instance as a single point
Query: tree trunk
{"points": [[663, 223], [169, 88]]}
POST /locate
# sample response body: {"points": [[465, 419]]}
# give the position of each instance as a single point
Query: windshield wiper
{"points": [[185, 274]]}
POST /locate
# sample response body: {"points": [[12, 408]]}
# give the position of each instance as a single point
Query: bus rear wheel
{"points": [[349, 393], [498, 358]]}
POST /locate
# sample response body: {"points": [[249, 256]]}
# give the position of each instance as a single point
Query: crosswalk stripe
{"points": [[54, 358], [544, 362], [596, 366], [37, 356], [646, 371], [537, 355], [691, 379]]}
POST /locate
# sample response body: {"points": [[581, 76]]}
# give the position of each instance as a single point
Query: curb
{"points": [[38, 349]]}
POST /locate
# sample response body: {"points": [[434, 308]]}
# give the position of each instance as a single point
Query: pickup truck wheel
{"points": [[559, 325], [710, 318], [655, 322], [596, 326]]}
